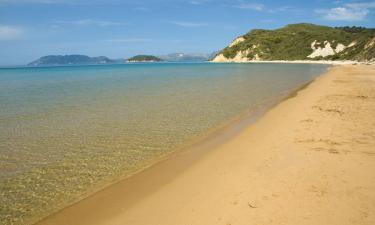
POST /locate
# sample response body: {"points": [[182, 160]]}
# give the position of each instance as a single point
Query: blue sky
{"points": [[119, 29]]}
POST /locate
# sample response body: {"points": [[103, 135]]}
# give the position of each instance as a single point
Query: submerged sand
{"points": [[309, 160]]}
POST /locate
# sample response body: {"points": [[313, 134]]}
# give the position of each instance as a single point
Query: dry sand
{"points": [[309, 160]]}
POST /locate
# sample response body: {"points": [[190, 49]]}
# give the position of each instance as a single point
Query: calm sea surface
{"points": [[65, 131]]}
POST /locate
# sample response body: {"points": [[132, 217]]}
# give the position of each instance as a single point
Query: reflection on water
{"points": [[65, 131]]}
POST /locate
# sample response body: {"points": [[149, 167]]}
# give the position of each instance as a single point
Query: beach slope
{"points": [[309, 160]]}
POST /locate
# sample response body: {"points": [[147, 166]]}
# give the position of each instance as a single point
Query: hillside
{"points": [[302, 42], [51, 60], [144, 58]]}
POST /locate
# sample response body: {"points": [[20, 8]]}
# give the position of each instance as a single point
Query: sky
{"points": [[30, 29]]}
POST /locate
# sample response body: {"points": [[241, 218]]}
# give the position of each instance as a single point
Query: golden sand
{"points": [[309, 160]]}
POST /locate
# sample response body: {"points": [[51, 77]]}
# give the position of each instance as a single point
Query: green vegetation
{"points": [[144, 58], [293, 42]]}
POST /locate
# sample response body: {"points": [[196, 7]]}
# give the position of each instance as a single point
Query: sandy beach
{"points": [[309, 160]]}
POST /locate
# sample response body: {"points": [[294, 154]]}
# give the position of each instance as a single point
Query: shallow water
{"points": [[65, 131]]}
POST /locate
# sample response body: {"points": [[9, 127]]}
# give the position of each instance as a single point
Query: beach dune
{"points": [[309, 160]]}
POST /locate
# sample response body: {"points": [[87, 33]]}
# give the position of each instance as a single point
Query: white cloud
{"points": [[199, 2], [10, 32], [252, 6], [284, 9], [362, 5], [188, 24], [348, 12], [91, 22], [343, 13], [245, 5], [195, 2]]}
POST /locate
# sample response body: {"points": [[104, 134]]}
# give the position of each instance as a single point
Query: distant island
{"points": [[58, 60], [302, 42], [144, 58], [52, 60], [178, 57]]}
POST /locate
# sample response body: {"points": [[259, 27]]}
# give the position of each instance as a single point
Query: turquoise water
{"points": [[66, 131]]}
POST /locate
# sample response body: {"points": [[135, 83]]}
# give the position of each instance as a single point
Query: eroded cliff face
{"points": [[241, 56]]}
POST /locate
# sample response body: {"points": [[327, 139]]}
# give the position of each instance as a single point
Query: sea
{"points": [[68, 131]]}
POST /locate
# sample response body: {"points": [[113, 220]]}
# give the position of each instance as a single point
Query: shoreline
{"points": [[325, 62], [190, 152], [179, 191]]}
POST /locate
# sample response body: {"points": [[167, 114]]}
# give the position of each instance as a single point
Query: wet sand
{"points": [[309, 160]]}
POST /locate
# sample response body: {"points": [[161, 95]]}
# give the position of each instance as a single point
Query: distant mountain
{"points": [[302, 42], [175, 57], [144, 58], [212, 55], [51, 60]]}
